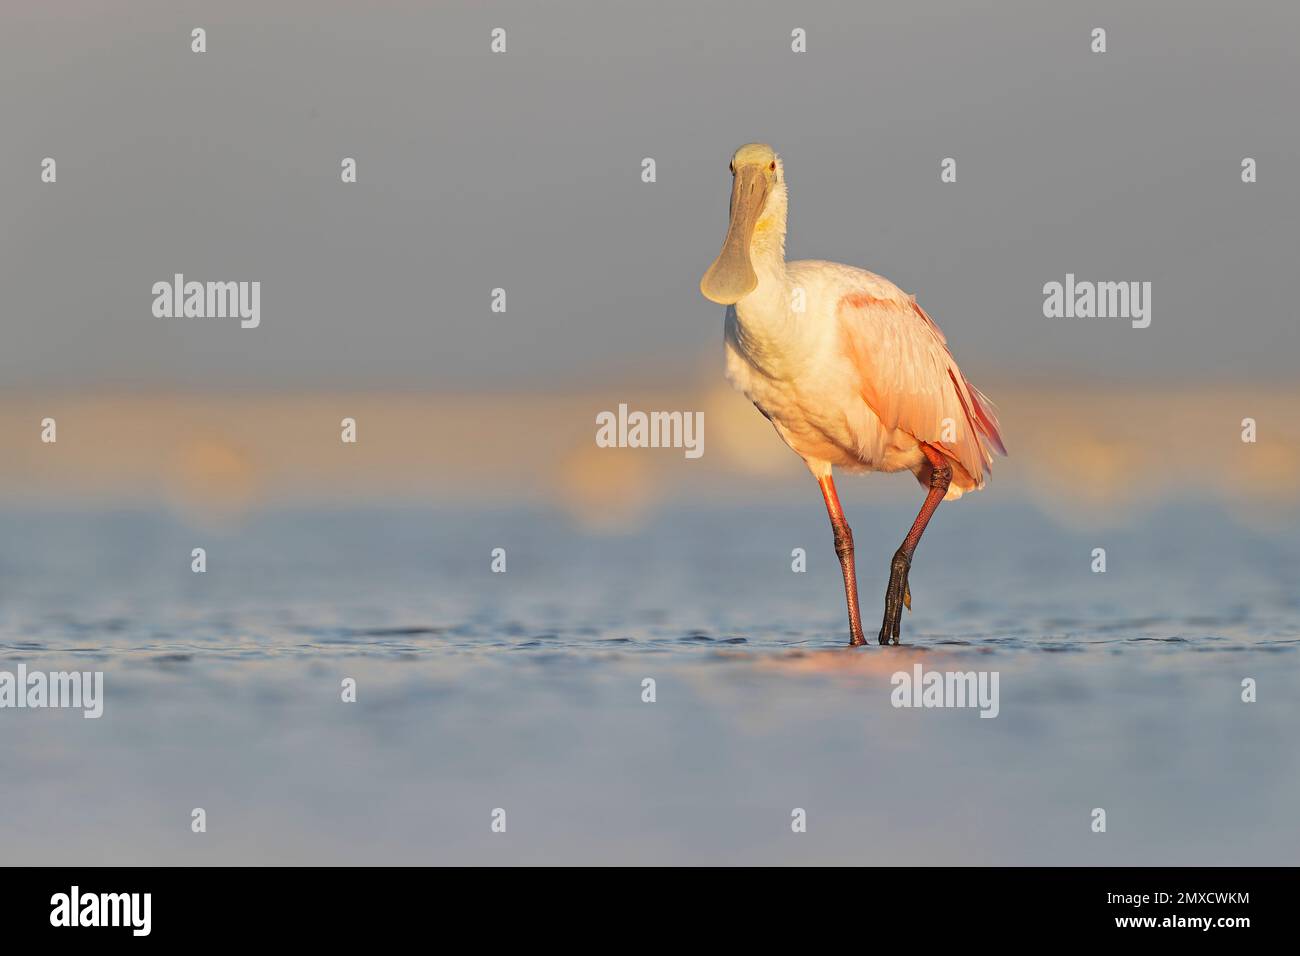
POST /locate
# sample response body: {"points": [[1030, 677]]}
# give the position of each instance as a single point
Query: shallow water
{"points": [[523, 690]]}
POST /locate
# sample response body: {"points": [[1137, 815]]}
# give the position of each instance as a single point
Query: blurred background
{"points": [[522, 171]]}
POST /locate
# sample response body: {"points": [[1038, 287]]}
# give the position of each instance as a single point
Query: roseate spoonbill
{"points": [[849, 370]]}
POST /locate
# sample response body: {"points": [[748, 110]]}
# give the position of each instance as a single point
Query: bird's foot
{"points": [[897, 596]]}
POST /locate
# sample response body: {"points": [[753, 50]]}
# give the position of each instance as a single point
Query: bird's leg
{"points": [[898, 594], [844, 548]]}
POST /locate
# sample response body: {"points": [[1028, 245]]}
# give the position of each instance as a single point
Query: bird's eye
{"points": [[772, 166], [731, 167]]}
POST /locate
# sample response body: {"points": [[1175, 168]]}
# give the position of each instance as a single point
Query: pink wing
{"points": [[911, 382]]}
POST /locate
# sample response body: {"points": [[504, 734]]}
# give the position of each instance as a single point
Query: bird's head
{"points": [[757, 219]]}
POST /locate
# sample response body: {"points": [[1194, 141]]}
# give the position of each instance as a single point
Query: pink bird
{"points": [[849, 370]]}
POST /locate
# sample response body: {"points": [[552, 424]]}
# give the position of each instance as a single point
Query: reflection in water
{"points": [[524, 690]]}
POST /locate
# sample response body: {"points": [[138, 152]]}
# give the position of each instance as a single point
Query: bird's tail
{"points": [[986, 419]]}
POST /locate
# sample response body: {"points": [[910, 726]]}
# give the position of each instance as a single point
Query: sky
{"points": [[522, 171]]}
